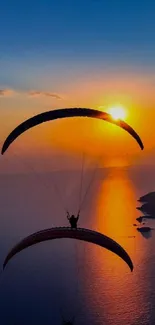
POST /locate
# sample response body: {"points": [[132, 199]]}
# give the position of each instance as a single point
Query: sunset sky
{"points": [[93, 54], [96, 54]]}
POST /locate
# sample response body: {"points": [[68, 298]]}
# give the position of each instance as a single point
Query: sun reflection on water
{"points": [[111, 285]]}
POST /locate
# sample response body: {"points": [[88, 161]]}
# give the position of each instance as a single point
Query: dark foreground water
{"points": [[73, 277]]}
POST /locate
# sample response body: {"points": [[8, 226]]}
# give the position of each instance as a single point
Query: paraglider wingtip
{"points": [[3, 150], [141, 145], [4, 265]]}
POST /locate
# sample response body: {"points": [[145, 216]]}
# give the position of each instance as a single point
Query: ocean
{"points": [[67, 278]]}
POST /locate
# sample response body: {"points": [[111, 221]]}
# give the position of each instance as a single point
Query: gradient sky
{"points": [[87, 53], [81, 53]]}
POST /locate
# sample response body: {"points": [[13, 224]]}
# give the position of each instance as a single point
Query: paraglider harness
{"points": [[73, 220]]}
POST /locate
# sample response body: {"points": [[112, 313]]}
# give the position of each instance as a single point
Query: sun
{"points": [[117, 112]]}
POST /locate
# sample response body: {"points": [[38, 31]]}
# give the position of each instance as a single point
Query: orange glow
{"points": [[134, 91], [74, 136], [117, 112], [116, 203]]}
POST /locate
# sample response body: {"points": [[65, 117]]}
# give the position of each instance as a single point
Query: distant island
{"points": [[148, 206]]}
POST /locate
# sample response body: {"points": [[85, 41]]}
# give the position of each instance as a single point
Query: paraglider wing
{"points": [[66, 232], [66, 113]]}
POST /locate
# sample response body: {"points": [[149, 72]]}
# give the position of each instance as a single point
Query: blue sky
{"points": [[64, 38], [77, 30]]}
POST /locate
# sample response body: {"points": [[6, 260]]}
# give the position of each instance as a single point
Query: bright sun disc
{"points": [[117, 113]]}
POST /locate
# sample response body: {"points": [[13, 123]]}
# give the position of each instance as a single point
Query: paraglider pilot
{"points": [[73, 220]]}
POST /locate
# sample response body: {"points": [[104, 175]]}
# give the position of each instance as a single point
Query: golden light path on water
{"points": [[113, 292], [79, 273]]}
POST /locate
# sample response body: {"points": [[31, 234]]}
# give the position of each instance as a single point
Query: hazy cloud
{"points": [[44, 93], [6, 92], [9, 92]]}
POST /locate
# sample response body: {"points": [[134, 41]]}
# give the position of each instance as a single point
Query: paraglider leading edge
{"points": [[82, 234], [68, 113]]}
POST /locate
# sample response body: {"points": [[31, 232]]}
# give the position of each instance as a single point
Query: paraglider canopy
{"points": [[83, 234], [68, 113]]}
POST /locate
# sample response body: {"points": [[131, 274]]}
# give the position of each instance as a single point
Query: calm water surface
{"points": [[72, 277]]}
